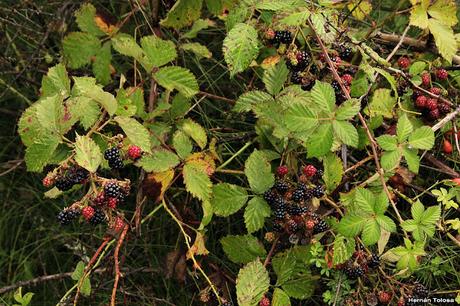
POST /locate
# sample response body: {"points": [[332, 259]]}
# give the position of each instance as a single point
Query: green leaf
{"points": [[412, 159], [364, 200], [177, 78], [255, 213], [280, 298], [386, 223], [417, 209], [320, 141], [88, 110], [351, 225], [159, 161], [85, 19], [348, 109], [296, 19], [251, 284], [56, 81], [382, 103], [389, 78], [182, 14], [125, 44], [136, 132], [227, 199], [159, 52], [390, 159], [198, 49], [403, 128], [240, 48], [258, 172], [197, 182], [79, 47], [418, 16], [333, 171], [40, 152], [431, 215], [50, 112], [194, 131], [300, 118], [380, 203], [275, 77], [87, 87], [277, 5], [371, 232], [387, 142], [345, 132], [422, 138], [87, 153], [324, 96], [78, 272], [417, 68], [444, 11], [182, 144], [242, 249], [198, 25], [444, 38], [359, 85], [101, 65], [343, 249], [300, 287], [29, 127], [247, 100]]}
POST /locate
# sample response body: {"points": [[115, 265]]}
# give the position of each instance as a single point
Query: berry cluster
{"points": [[66, 216], [360, 264], [73, 176], [112, 155]]}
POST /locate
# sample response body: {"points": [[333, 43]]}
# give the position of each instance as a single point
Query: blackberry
{"points": [[77, 175], [296, 77], [63, 183], [303, 58], [303, 209], [227, 303], [292, 226], [294, 210], [98, 217], [353, 272], [345, 52], [283, 37], [280, 203], [318, 191], [112, 154], [116, 163], [279, 213], [66, 216], [281, 186], [278, 228], [297, 195], [444, 108], [420, 291], [270, 197], [374, 261], [308, 194], [336, 87], [320, 227], [112, 190], [302, 186]]}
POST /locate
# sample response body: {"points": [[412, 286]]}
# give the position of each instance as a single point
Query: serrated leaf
{"points": [[371, 232], [382, 103], [198, 49], [29, 127], [300, 287], [255, 213], [416, 68], [159, 161], [419, 17], [320, 141], [343, 249], [251, 284], [198, 25], [136, 132], [50, 112], [177, 78], [444, 38], [56, 81], [280, 298], [417, 210], [182, 14], [422, 138], [194, 131], [101, 64], [412, 159], [158, 52], [240, 47], [360, 9], [197, 182], [227, 199], [258, 171], [444, 11], [40, 152], [390, 159], [348, 110], [182, 144], [351, 225], [275, 76], [242, 249], [85, 19], [87, 153], [198, 247], [345, 132], [247, 100], [364, 200], [125, 44], [296, 19], [431, 215], [300, 118], [403, 128], [333, 171], [386, 223], [79, 47], [87, 87], [277, 5], [324, 96], [387, 142]]}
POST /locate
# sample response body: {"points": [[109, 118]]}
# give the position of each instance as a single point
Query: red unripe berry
{"points": [[434, 114], [309, 170], [134, 152], [435, 90], [282, 170], [99, 199], [118, 224], [442, 74], [456, 181], [87, 212], [347, 79], [310, 224], [270, 34], [265, 301], [420, 102], [432, 104], [384, 297], [426, 79], [112, 203], [47, 182], [447, 146], [403, 62], [337, 60]]}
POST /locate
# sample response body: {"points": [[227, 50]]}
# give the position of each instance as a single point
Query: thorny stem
{"points": [[117, 265]]}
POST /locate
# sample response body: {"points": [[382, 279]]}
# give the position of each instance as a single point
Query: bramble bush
{"points": [[321, 160]]}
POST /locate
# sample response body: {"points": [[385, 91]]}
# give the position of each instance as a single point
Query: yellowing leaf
{"points": [[198, 247], [444, 38], [104, 26], [419, 17], [444, 11], [360, 9], [164, 179]]}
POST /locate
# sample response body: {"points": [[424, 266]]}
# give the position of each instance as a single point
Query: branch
{"points": [[117, 267]]}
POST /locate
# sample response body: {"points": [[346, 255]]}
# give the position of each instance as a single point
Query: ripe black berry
{"points": [[294, 210], [297, 195], [374, 261], [278, 228], [336, 87], [112, 153], [420, 291], [308, 194], [292, 226], [116, 163], [112, 190], [345, 52], [320, 227], [281, 186], [270, 197], [63, 183], [66, 216], [279, 213], [283, 37], [302, 187], [77, 175], [318, 191], [353, 272], [98, 217], [303, 58], [296, 77]]}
